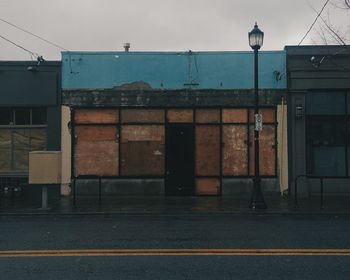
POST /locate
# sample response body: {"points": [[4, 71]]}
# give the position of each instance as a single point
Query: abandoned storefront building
{"points": [[29, 119], [319, 110], [171, 123]]}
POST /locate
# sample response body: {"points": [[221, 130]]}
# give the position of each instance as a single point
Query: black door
{"points": [[179, 177]]}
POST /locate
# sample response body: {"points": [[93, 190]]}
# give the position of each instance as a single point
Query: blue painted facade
{"points": [[172, 70]]}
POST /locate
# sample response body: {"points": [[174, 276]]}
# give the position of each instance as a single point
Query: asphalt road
{"points": [[259, 234]]}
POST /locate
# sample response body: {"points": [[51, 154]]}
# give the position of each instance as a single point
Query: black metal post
{"points": [[257, 200]]}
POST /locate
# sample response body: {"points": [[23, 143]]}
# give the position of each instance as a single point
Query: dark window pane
{"points": [[6, 116], [329, 161], [326, 140], [327, 130], [325, 103], [22, 116], [39, 116]]}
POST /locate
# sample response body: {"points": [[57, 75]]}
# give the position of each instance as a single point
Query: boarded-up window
{"points": [[96, 150], [142, 150], [97, 116], [234, 115], [180, 115], [207, 150], [142, 116], [207, 186], [267, 151], [207, 116], [235, 150]]}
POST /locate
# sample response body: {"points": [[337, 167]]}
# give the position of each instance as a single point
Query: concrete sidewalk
{"points": [[173, 205]]}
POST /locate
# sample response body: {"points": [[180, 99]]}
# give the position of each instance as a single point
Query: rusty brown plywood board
{"points": [[143, 133], [95, 133], [143, 115], [268, 115], [235, 150], [207, 116], [208, 150], [180, 115], [87, 116], [267, 151], [207, 186], [234, 115], [96, 158], [142, 158]]}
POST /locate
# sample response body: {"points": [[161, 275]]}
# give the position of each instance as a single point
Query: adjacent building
{"points": [[30, 117], [319, 115]]}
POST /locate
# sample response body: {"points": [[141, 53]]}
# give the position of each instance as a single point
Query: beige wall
{"points": [[45, 167], [282, 154], [66, 151]]}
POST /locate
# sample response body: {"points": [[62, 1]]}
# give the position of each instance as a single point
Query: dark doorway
{"points": [[179, 177]]}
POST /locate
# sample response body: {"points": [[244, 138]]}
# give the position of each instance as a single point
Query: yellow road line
{"points": [[175, 252]]}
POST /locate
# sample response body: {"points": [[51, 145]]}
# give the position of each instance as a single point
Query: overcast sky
{"points": [[159, 25]]}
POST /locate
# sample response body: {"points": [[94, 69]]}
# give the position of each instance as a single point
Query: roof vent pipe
{"points": [[126, 47]]}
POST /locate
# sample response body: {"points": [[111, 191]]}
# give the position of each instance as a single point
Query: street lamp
{"points": [[256, 38]]}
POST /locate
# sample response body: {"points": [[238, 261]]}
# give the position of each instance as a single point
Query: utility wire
{"points": [[18, 46], [312, 25], [30, 33]]}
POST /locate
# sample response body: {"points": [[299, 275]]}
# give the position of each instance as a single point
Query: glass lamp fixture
{"points": [[256, 38]]}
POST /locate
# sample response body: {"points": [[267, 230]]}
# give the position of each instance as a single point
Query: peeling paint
{"points": [[138, 85]]}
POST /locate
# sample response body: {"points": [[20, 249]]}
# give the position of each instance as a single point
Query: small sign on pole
{"points": [[258, 122]]}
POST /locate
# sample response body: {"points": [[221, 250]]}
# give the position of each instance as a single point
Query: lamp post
{"points": [[256, 38]]}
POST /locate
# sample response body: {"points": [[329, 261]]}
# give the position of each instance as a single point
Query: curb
{"points": [[171, 213]]}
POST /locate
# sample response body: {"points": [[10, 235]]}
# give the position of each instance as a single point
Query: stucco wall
{"points": [[172, 70]]}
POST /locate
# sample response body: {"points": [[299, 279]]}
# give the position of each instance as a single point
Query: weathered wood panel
{"points": [[268, 115], [207, 186], [143, 133], [235, 150], [267, 151], [96, 158], [142, 158], [207, 116], [234, 115], [208, 150], [142, 115], [87, 116], [96, 133], [180, 115]]}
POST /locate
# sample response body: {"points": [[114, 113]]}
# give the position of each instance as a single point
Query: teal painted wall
{"points": [[172, 70]]}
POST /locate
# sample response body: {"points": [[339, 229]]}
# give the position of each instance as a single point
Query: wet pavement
{"points": [[276, 204]]}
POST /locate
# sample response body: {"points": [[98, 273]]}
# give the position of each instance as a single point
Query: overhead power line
{"points": [[31, 33], [312, 25], [18, 46]]}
